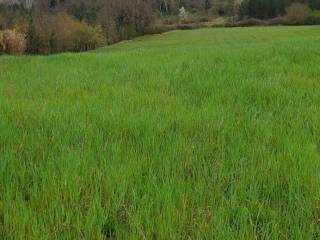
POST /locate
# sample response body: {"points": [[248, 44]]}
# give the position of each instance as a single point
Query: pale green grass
{"points": [[205, 134]]}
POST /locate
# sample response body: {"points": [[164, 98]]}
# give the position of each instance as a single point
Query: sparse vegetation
{"points": [[205, 134]]}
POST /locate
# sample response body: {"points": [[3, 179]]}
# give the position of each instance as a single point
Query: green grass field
{"points": [[204, 134]]}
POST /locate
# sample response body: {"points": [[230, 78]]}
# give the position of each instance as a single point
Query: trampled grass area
{"points": [[204, 134]]}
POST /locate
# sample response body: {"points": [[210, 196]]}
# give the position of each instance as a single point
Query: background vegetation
{"points": [[204, 134], [51, 26]]}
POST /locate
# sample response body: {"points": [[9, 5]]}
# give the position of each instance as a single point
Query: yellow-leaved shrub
{"points": [[12, 42]]}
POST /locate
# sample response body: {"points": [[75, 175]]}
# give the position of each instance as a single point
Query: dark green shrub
{"points": [[190, 26], [313, 17]]}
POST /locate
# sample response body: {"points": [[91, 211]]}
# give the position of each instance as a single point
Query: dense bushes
{"points": [[250, 22], [257, 22], [12, 42], [189, 26], [313, 17], [297, 14], [60, 33], [13, 19], [125, 19], [266, 9], [46, 32]]}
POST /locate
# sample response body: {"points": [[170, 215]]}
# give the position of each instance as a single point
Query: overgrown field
{"points": [[204, 134]]}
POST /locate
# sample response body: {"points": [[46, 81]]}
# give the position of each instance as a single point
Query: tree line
{"points": [[50, 26], [264, 9]]}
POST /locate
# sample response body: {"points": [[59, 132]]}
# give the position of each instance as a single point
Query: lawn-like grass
{"points": [[204, 134]]}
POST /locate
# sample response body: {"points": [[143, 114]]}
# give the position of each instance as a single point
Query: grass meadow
{"points": [[203, 134]]}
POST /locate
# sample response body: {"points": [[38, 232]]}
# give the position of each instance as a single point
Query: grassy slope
{"points": [[198, 134]]}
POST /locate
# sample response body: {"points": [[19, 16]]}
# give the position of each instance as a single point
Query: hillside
{"points": [[204, 134]]}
